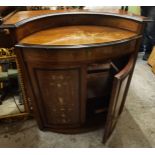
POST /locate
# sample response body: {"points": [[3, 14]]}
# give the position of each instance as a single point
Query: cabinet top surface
{"points": [[77, 35]]}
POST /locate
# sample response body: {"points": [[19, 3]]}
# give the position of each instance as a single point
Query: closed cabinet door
{"points": [[119, 91]]}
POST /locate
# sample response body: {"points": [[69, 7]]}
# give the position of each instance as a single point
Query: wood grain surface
{"points": [[75, 35]]}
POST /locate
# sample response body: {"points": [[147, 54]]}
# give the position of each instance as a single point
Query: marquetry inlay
{"points": [[76, 35], [60, 95], [58, 85]]}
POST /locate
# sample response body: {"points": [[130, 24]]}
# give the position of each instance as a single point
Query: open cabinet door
{"points": [[119, 91]]}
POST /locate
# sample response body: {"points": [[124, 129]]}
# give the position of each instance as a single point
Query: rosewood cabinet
{"points": [[77, 66]]}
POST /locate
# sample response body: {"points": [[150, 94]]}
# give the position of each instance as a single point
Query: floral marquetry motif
{"points": [[59, 89]]}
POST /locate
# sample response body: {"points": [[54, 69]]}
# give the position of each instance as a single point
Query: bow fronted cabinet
{"points": [[76, 66]]}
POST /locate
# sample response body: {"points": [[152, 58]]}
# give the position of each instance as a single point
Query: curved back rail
{"points": [[28, 26]]}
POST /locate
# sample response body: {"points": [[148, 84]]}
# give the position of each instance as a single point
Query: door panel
{"points": [[58, 93], [121, 82]]}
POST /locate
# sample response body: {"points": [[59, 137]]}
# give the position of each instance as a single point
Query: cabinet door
{"points": [[120, 87]]}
